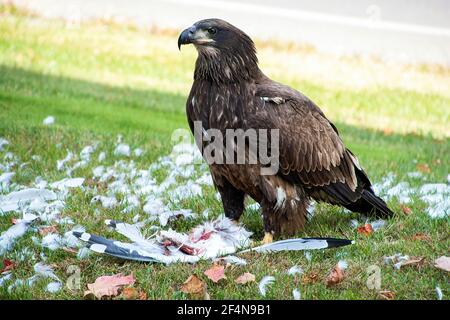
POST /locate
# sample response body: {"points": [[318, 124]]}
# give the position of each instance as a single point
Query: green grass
{"points": [[101, 80]]}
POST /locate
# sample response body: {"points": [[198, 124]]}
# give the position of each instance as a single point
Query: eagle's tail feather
{"points": [[370, 203]]}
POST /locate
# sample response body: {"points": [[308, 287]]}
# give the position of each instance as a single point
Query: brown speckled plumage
{"points": [[231, 92]]}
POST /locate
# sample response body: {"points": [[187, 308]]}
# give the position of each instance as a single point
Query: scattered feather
{"points": [[296, 294], [54, 287], [295, 270], [266, 281], [439, 293], [48, 121]]}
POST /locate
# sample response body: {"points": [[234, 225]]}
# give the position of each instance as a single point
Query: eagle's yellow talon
{"points": [[268, 238]]}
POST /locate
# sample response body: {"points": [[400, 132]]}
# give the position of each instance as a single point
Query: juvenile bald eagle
{"points": [[231, 92]]}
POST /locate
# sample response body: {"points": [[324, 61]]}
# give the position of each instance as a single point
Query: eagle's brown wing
{"points": [[311, 153]]}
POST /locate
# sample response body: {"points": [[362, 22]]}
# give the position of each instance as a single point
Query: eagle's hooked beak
{"points": [[186, 37]]}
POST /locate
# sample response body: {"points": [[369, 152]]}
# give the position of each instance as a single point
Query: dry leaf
{"points": [[365, 229], [70, 250], [336, 276], [310, 278], [413, 261], [406, 210], [244, 278], [193, 285], [6, 265], [215, 273], [423, 167], [387, 295], [108, 285], [46, 230], [130, 293], [442, 263], [142, 295], [421, 236]]}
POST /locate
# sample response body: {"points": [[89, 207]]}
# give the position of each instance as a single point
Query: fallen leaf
{"points": [[365, 229], [423, 167], [387, 295], [442, 263], [310, 278], [70, 250], [215, 273], [421, 236], [336, 276], [244, 278], [413, 261], [193, 285], [142, 295], [46, 230], [130, 293], [108, 285], [406, 210], [6, 265]]}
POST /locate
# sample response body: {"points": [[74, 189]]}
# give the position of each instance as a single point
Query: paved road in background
{"points": [[405, 30]]}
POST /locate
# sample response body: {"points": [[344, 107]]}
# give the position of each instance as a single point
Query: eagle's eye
{"points": [[212, 30]]}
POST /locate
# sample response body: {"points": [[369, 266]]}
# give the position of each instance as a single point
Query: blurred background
{"points": [[372, 64], [405, 30]]}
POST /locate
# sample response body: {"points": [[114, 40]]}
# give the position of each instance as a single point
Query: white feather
{"points": [[294, 270], [342, 264], [439, 293], [266, 281], [296, 294], [281, 197]]}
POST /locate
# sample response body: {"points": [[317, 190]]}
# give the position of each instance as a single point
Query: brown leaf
{"points": [[413, 261], [215, 273], [193, 285], [130, 293], [336, 276], [365, 229], [423, 167], [70, 250], [406, 210], [421, 236], [310, 278], [386, 295], [108, 285], [46, 230], [442, 263], [244, 278], [142, 295]]}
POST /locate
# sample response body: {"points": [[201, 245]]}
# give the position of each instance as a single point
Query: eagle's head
{"points": [[225, 53]]}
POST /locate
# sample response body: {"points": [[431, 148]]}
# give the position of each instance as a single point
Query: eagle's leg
{"points": [[269, 230], [268, 238], [285, 217], [232, 200]]}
